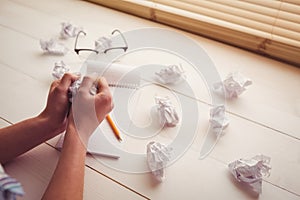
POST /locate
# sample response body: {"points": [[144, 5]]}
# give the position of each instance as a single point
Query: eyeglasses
{"points": [[77, 50]]}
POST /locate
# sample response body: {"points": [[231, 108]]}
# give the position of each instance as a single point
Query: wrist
{"points": [[72, 129], [49, 126]]}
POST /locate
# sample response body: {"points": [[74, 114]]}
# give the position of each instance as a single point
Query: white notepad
{"points": [[98, 145], [117, 75]]}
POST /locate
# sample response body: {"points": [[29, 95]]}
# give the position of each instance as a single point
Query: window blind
{"points": [[269, 27]]}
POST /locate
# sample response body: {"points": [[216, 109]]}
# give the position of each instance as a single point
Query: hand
{"points": [[88, 110], [57, 106]]}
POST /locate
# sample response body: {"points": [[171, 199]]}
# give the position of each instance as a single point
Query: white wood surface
{"points": [[264, 120], [34, 170]]}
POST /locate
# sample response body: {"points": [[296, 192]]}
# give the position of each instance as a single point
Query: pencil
{"points": [[113, 127]]}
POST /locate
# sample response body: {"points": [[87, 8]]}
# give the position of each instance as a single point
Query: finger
{"points": [[67, 80], [103, 86], [53, 85], [88, 82]]}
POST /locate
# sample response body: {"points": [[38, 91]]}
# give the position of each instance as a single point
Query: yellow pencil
{"points": [[113, 127]]}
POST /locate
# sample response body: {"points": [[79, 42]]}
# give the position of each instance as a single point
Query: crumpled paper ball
{"points": [[171, 74], [158, 155], [218, 120], [251, 171], [68, 30], [73, 89], [60, 68], [166, 112], [53, 47], [234, 85], [103, 43]]}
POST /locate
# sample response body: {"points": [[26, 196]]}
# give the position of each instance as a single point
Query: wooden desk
{"points": [[263, 120]]}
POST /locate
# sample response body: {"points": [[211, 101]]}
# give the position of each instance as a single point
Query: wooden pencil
{"points": [[113, 127]]}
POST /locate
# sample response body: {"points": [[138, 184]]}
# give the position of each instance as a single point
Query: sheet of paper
{"points": [[116, 74], [98, 145]]}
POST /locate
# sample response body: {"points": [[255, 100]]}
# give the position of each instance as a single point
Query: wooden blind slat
{"points": [[266, 27], [296, 2], [224, 13]]}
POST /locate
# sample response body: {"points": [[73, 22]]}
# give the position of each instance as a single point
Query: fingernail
{"points": [[77, 74], [102, 79], [94, 75]]}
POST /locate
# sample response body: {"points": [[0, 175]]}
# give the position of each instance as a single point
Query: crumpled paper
{"points": [[167, 114], [251, 171], [218, 120], [60, 68], [171, 74], [58, 72], [68, 30], [234, 85], [53, 47], [158, 155], [9, 187], [103, 43], [73, 89]]}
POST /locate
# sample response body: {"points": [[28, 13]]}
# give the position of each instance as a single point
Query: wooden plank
{"points": [[242, 139], [3, 123], [193, 179], [34, 170], [271, 100], [23, 97], [202, 123], [270, 106], [265, 98], [99, 20]]}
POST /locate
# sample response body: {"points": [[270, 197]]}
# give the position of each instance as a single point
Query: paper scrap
{"points": [[158, 155], [171, 74], [103, 43], [60, 68], [218, 120], [58, 72], [234, 85], [251, 171], [53, 47], [10, 188], [93, 90], [73, 89], [166, 112], [68, 30]]}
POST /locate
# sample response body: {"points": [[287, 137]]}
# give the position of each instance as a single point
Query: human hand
{"points": [[57, 106], [89, 110]]}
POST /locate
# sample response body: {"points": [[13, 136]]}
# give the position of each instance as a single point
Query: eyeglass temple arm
{"points": [[75, 47], [124, 48]]}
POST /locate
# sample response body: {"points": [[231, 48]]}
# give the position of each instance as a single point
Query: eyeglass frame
{"points": [[106, 50]]}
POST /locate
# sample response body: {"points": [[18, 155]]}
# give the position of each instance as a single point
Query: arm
{"points": [[68, 178], [23, 136], [86, 114]]}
